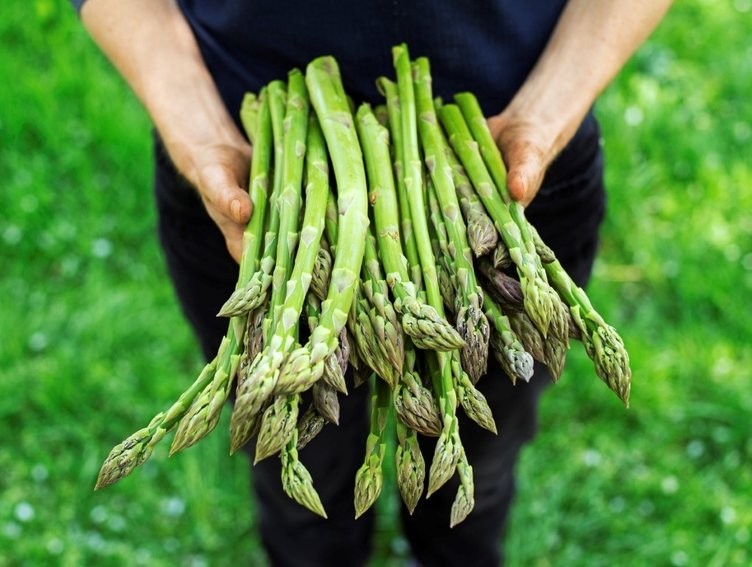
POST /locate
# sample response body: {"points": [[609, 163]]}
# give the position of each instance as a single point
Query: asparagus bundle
{"points": [[346, 279]]}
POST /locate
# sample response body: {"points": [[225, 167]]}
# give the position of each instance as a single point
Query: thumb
{"points": [[526, 166], [223, 191]]}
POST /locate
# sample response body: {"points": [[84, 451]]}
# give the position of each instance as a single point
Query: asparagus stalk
{"points": [[489, 151], [514, 360], [470, 319], [410, 465], [204, 413], [420, 321], [305, 366], [413, 174], [264, 371], [444, 263], [253, 293], [249, 111], [492, 158], [335, 365], [394, 109], [138, 447], [471, 399], [464, 501], [386, 327], [296, 480], [602, 342], [541, 302], [312, 421], [414, 404], [482, 235], [369, 478], [290, 197], [360, 327], [343, 353], [448, 445]]}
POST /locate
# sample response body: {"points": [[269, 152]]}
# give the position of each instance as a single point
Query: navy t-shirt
{"points": [[484, 46]]}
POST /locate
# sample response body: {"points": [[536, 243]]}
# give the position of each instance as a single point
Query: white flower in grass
{"points": [[101, 248], [24, 512], [728, 515], [591, 458], [670, 485]]}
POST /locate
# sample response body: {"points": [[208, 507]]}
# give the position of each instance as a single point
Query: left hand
{"points": [[527, 148], [590, 43]]}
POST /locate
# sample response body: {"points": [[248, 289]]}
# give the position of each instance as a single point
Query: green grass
{"points": [[93, 342]]}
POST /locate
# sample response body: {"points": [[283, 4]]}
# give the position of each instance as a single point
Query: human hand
{"points": [[153, 46], [590, 43], [527, 147], [220, 174]]}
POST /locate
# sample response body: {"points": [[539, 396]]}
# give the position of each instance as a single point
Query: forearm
{"points": [[591, 42], [152, 46]]}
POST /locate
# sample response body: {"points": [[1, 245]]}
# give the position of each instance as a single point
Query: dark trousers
{"points": [[567, 213]]}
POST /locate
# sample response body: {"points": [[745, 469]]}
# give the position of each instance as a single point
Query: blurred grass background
{"points": [[92, 342]]}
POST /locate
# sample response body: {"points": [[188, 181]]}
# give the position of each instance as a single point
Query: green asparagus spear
{"points": [[369, 478], [205, 411], [305, 365], [602, 342], [296, 480], [421, 322], [137, 448], [448, 445], [464, 501], [512, 357], [253, 293], [264, 371], [410, 465], [470, 319], [541, 302]]}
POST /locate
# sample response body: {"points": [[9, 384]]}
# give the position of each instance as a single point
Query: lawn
{"points": [[93, 342]]}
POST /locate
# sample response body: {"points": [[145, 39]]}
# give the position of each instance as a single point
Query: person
{"points": [[536, 67]]}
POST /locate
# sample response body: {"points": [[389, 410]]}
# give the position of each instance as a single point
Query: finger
{"points": [[231, 231], [234, 242], [525, 170], [222, 189]]}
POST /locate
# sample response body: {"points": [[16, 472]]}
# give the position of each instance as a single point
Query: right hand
{"points": [[220, 174], [152, 45]]}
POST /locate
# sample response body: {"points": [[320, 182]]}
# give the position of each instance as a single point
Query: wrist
{"points": [[191, 127], [185, 105], [152, 45]]}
